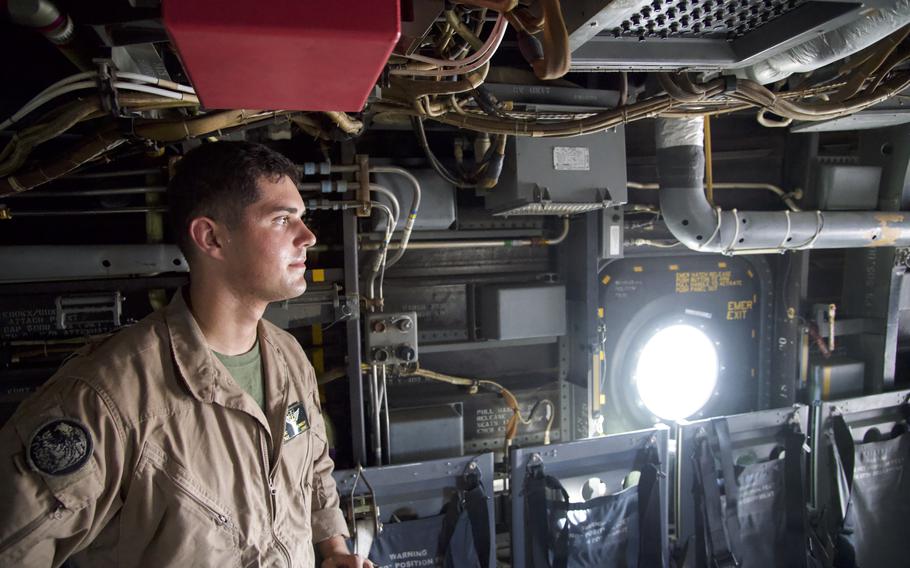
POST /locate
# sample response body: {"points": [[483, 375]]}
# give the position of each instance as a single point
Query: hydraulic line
{"points": [[412, 215], [786, 197], [486, 243]]}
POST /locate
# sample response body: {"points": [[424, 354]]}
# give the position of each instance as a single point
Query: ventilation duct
{"points": [[832, 46], [699, 226]]}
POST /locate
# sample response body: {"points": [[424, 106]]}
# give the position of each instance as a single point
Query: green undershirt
{"points": [[247, 371]]}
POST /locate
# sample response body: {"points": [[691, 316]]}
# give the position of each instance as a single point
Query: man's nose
{"points": [[305, 238]]}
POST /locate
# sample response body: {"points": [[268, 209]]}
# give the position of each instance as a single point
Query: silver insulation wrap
{"points": [[831, 46]]}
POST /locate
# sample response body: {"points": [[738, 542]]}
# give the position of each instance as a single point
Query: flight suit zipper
{"points": [[55, 513], [220, 518], [273, 500]]}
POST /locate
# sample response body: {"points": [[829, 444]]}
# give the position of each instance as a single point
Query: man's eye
{"points": [[283, 220]]}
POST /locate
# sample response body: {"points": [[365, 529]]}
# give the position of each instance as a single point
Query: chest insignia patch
{"points": [[296, 421], [60, 447]]}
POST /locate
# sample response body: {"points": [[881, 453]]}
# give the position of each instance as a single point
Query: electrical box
{"points": [[611, 233], [283, 55], [561, 176], [426, 432], [848, 188], [522, 312], [391, 338]]}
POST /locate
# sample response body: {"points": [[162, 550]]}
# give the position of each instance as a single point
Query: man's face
{"points": [[265, 254]]}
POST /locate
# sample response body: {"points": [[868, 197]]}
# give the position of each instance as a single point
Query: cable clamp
{"points": [[819, 225], [719, 213], [783, 242], [107, 77], [728, 251]]}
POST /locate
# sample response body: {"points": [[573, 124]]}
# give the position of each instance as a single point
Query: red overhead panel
{"points": [[283, 54]]}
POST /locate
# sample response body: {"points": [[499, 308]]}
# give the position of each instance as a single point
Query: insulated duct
{"points": [[692, 220], [872, 26]]}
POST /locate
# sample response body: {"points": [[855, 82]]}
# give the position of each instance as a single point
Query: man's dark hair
{"points": [[219, 180]]}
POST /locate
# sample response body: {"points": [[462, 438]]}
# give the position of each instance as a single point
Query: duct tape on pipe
{"points": [[680, 132]]}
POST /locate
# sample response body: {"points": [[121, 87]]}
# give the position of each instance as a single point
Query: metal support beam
{"points": [[42, 263], [355, 377]]}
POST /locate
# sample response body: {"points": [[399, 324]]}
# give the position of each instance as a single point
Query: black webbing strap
{"points": [[711, 526], [537, 519], [845, 460], [452, 514], [478, 513], [731, 487], [845, 457], [475, 502], [794, 499], [538, 507], [561, 546], [650, 544]]}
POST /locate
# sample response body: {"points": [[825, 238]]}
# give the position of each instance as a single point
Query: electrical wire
{"points": [[511, 401], [651, 243], [444, 173], [459, 66], [551, 414], [75, 83], [498, 30]]}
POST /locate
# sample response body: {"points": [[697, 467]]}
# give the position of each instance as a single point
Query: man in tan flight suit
{"points": [[194, 437]]}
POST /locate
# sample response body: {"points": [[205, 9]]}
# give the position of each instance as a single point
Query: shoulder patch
{"points": [[60, 447]]}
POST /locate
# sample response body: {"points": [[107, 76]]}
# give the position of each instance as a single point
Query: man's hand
{"points": [[346, 561], [336, 555]]}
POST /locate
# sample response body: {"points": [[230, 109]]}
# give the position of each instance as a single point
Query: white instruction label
{"points": [[615, 241], [571, 159]]}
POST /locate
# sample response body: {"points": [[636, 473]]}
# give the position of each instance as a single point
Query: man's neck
{"points": [[228, 320]]}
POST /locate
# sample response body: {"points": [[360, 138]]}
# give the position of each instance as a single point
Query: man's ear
{"points": [[209, 236]]}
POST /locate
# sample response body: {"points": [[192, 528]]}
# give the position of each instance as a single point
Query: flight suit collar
{"points": [[192, 356], [205, 380]]}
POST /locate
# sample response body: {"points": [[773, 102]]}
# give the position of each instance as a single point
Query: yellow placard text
{"points": [[738, 310], [687, 282]]}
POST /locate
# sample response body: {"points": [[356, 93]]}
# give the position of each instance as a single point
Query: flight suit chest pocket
{"points": [[171, 512]]}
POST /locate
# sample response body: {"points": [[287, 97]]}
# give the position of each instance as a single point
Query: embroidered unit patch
{"points": [[60, 447]]}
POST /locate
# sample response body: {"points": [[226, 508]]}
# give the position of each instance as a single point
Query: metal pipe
{"points": [[786, 197], [412, 215], [385, 416], [692, 220], [92, 192], [375, 398], [63, 213], [380, 262], [495, 243], [353, 334], [122, 173]]}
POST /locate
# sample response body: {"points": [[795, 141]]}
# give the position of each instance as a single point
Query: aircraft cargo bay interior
{"points": [[455, 283]]}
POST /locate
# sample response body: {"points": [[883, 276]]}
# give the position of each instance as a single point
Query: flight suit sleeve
{"points": [[61, 462], [326, 517]]}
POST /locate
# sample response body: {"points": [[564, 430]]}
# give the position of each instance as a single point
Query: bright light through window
{"points": [[676, 372]]}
